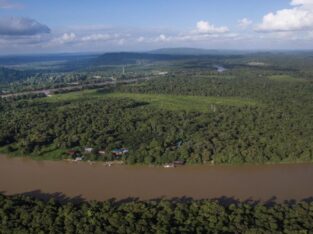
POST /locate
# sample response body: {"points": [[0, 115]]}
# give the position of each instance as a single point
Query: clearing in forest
{"points": [[187, 103], [164, 101]]}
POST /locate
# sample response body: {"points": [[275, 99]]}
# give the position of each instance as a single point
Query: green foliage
{"points": [[186, 103], [21, 214], [46, 128], [285, 78]]}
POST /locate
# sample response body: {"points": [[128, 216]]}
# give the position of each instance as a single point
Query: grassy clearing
{"points": [[168, 102], [187, 103], [285, 78], [219, 76]]}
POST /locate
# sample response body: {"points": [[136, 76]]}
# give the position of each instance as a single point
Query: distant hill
{"points": [[133, 58], [27, 59], [195, 51], [120, 58]]}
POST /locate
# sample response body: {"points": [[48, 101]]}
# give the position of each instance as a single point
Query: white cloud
{"points": [[206, 28], [68, 37], [96, 37], [19, 26], [298, 18], [65, 38], [244, 23], [80, 38], [162, 38], [121, 41], [140, 39], [301, 2], [5, 4]]}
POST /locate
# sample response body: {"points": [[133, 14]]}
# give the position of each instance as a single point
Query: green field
{"points": [[285, 78], [168, 102], [187, 103]]}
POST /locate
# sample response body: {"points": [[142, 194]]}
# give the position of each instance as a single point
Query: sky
{"points": [[45, 26]]}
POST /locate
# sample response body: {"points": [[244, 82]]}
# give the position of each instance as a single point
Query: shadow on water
{"points": [[60, 197], [224, 200]]}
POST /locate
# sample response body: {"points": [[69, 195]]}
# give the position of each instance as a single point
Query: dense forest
{"points": [[223, 134], [21, 214]]}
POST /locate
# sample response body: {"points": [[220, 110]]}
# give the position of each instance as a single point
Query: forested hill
{"points": [[133, 58], [196, 51], [30, 59]]}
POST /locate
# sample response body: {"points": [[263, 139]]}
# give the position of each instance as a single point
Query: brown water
{"points": [[98, 182]]}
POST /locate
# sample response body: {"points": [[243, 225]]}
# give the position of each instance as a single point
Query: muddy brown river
{"points": [[97, 182]]}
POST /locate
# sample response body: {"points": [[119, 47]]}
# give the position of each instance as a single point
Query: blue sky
{"points": [[124, 25], [143, 13]]}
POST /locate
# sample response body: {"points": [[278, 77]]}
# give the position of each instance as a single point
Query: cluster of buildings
{"points": [[78, 155]]}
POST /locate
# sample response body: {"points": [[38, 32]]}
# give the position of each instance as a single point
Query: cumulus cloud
{"points": [[207, 28], [204, 32], [298, 18], [96, 37], [5, 4], [16, 26], [162, 38], [302, 2], [67, 38], [85, 38], [140, 39], [244, 23]]}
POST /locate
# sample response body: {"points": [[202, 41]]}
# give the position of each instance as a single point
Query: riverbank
{"points": [[98, 182], [61, 158]]}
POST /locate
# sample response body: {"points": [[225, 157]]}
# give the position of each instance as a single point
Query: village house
{"points": [[169, 165], [119, 152], [102, 152], [88, 150], [174, 164], [77, 159], [179, 163], [72, 152]]}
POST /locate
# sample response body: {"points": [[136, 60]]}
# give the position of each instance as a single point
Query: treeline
{"points": [[21, 214], [24, 97]]}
